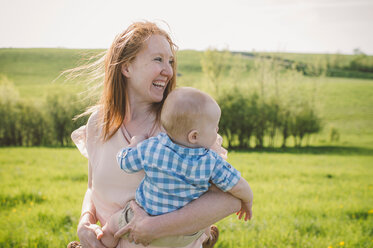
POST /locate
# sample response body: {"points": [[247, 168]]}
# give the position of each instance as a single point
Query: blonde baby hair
{"points": [[183, 109]]}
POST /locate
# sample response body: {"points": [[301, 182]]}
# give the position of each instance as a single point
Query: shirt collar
{"points": [[165, 140]]}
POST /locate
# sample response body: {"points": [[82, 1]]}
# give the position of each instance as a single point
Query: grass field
{"points": [[301, 199], [318, 196], [345, 104]]}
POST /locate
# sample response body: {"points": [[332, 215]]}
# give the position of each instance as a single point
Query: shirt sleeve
{"points": [[129, 159], [80, 139], [86, 137], [224, 175]]}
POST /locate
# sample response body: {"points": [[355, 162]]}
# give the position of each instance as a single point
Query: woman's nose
{"points": [[167, 70]]}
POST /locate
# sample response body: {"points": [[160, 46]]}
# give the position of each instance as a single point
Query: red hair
{"points": [[114, 105]]}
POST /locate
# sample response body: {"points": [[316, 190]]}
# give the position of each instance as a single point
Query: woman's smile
{"points": [[160, 84]]}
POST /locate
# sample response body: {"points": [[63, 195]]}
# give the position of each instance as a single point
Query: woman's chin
{"points": [[157, 96]]}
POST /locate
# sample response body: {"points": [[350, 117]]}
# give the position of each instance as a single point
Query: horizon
{"points": [[233, 51], [273, 26]]}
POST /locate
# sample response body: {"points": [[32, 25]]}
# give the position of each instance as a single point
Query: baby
{"points": [[179, 165]]}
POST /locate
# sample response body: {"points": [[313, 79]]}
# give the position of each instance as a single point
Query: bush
{"points": [[21, 123], [246, 116], [8, 113], [61, 109], [347, 73], [26, 123], [362, 63], [334, 135], [238, 119], [303, 122], [33, 130]]}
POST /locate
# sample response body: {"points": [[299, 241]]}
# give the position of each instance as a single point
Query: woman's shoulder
{"points": [[87, 133], [93, 119], [94, 127]]}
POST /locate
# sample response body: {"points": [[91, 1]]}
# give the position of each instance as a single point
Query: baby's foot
{"points": [[74, 244], [214, 235]]}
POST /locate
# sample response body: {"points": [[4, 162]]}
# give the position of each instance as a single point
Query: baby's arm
{"points": [[243, 192], [129, 158], [227, 178]]}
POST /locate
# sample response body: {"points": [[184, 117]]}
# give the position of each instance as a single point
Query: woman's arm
{"points": [[197, 215], [212, 206], [87, 228]]}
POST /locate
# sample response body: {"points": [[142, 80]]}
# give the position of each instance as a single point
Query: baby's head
{"points": [[191, 117]]}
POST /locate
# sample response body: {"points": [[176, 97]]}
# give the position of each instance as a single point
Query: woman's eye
{"points": [[158, 59], [171, 62]]}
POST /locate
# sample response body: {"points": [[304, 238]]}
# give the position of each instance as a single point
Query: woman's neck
{"points": [[139, 110], [141, 118]]}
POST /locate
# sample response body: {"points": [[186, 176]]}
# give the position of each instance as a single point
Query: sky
{"points": [[306, 26]]}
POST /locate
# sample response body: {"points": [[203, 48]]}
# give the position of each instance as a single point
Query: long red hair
{"points": [[113, 106]]}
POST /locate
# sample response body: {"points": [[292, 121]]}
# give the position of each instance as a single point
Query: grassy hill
{"points": [[34, 70], [319, 196], [345, 104]]}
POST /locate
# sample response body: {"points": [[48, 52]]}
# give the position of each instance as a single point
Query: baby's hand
{"points": [[246, 210], [137, 139]]}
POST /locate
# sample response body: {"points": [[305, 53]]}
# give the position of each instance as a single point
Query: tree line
{"points": [[247, 120], [266, 107], [38, 123], [263, 103]]}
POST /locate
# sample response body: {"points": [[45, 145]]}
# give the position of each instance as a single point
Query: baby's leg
{"points": [[109, 229]]}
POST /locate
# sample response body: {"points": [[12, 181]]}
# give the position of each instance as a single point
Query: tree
{"points": [[61, 108], [304, 122], [9, 97], [214, 66]]}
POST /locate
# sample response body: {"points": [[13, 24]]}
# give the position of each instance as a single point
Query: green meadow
{"points": [[301, 199], [315, 196]]}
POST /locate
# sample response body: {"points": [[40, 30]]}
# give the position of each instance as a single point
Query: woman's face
{"points": [[151, 71]]}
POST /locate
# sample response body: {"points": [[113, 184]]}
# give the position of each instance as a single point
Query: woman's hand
{"points": [[88, 234], [139, 228], [217, 147]]}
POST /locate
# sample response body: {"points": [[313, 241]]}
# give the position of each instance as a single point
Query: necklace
{"points": [[128, 136]]}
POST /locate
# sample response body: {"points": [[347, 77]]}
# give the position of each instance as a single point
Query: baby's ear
{"points": [[193, 136]]}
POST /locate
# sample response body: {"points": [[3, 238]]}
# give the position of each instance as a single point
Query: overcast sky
{"points": [[312, 26]]}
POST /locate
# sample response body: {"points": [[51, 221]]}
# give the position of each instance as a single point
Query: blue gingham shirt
{"points": [[174, 175]]}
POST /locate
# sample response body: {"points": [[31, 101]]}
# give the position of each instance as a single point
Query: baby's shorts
{"points": [[175, 241]]}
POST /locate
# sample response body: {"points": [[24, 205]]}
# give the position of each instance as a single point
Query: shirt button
{"points": [[229, 166], [124, 154]]}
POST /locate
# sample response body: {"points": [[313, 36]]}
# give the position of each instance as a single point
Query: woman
{"points": [[140, 71]]}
